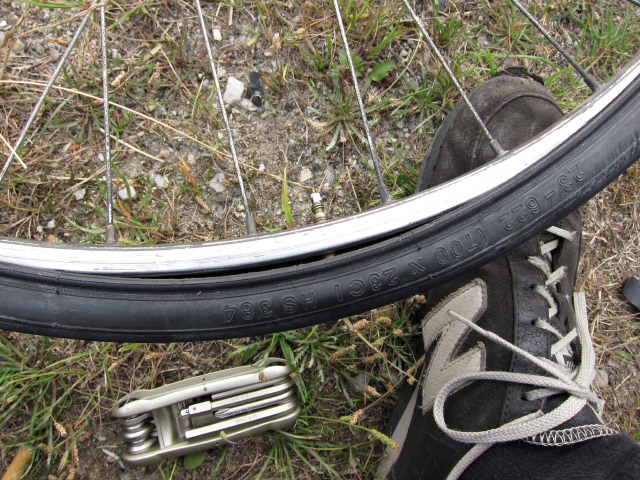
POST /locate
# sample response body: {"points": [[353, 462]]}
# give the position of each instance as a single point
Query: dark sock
{"points": [[613, 457]]}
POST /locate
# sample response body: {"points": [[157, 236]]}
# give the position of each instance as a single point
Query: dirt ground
{"points": [[176, 159]]}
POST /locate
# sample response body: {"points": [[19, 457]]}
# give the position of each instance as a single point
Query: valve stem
{"points": [[319, 215]]}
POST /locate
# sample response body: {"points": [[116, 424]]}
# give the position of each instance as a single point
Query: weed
{"points": [[337, 111]]}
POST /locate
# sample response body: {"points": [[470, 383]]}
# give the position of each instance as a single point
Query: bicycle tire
{"points": [[281, 297]]}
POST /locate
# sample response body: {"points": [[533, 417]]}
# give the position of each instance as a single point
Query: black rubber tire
{"points": [[277, 299]]}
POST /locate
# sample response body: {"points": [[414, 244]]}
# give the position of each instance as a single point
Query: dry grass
{"points": [[610, 255], [57, 394]]}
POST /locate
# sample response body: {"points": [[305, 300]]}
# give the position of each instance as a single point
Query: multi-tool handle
{"points": [[197, 413]]}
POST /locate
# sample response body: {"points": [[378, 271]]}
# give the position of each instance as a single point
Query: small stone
{"points": [[127, 193], [602, 378], [161, 181], [329, 175], [246, 103], [51, 223], [217, 36], [18, 47], [305, 175], [160, 111], [217, 183], [233, 91], [191, 159], [39, 229], [261, 167], [79, 194]]}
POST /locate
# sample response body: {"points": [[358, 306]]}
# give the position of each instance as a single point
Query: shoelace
{"points": [[564, 377]]}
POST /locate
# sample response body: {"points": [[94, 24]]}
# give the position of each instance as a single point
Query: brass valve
{"points": [[319, 215]]}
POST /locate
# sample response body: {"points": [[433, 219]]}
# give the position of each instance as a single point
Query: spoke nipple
{"points": [[319, 215], [110, 234], [251, 225], [497, 148]]}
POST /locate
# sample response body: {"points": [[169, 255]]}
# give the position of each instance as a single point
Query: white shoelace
{"points": [[564, 377]]}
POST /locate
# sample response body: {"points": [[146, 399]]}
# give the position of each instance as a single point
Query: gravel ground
{"points": [[176, 160]]}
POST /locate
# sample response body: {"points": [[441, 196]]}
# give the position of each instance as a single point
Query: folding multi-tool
{"points": [[199, 412]]}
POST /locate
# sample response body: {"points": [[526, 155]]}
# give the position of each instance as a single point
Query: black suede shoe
{"points": [[504, 347]]}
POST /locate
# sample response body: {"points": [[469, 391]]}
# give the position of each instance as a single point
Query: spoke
{"points": [[43, 96], [251, 226], [591, 82], [434, 49], [110, 237], [382, 188]]}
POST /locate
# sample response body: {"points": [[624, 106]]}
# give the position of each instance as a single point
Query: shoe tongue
{"points": [[564, 319]]}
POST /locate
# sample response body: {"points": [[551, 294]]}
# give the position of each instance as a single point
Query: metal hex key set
{"points": [[197, 413]]}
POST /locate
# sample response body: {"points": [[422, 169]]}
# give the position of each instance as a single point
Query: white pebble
{"points": [[79, 194], [248, 105], [305, 174], [217, 183], [217, 36], [51, 223], [127, 193], [233, 91], [161, 181]]}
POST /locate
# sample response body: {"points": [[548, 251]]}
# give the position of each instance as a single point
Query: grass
{"points": [[56, 394], [38, 382]]}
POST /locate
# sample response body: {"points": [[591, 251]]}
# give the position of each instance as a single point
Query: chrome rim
{"points": [[260, 250]]}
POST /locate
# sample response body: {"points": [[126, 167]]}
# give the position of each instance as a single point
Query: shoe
{"points": [[507, 356]]}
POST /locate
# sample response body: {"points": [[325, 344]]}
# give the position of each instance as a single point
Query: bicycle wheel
{"points": [[232, 288]]}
